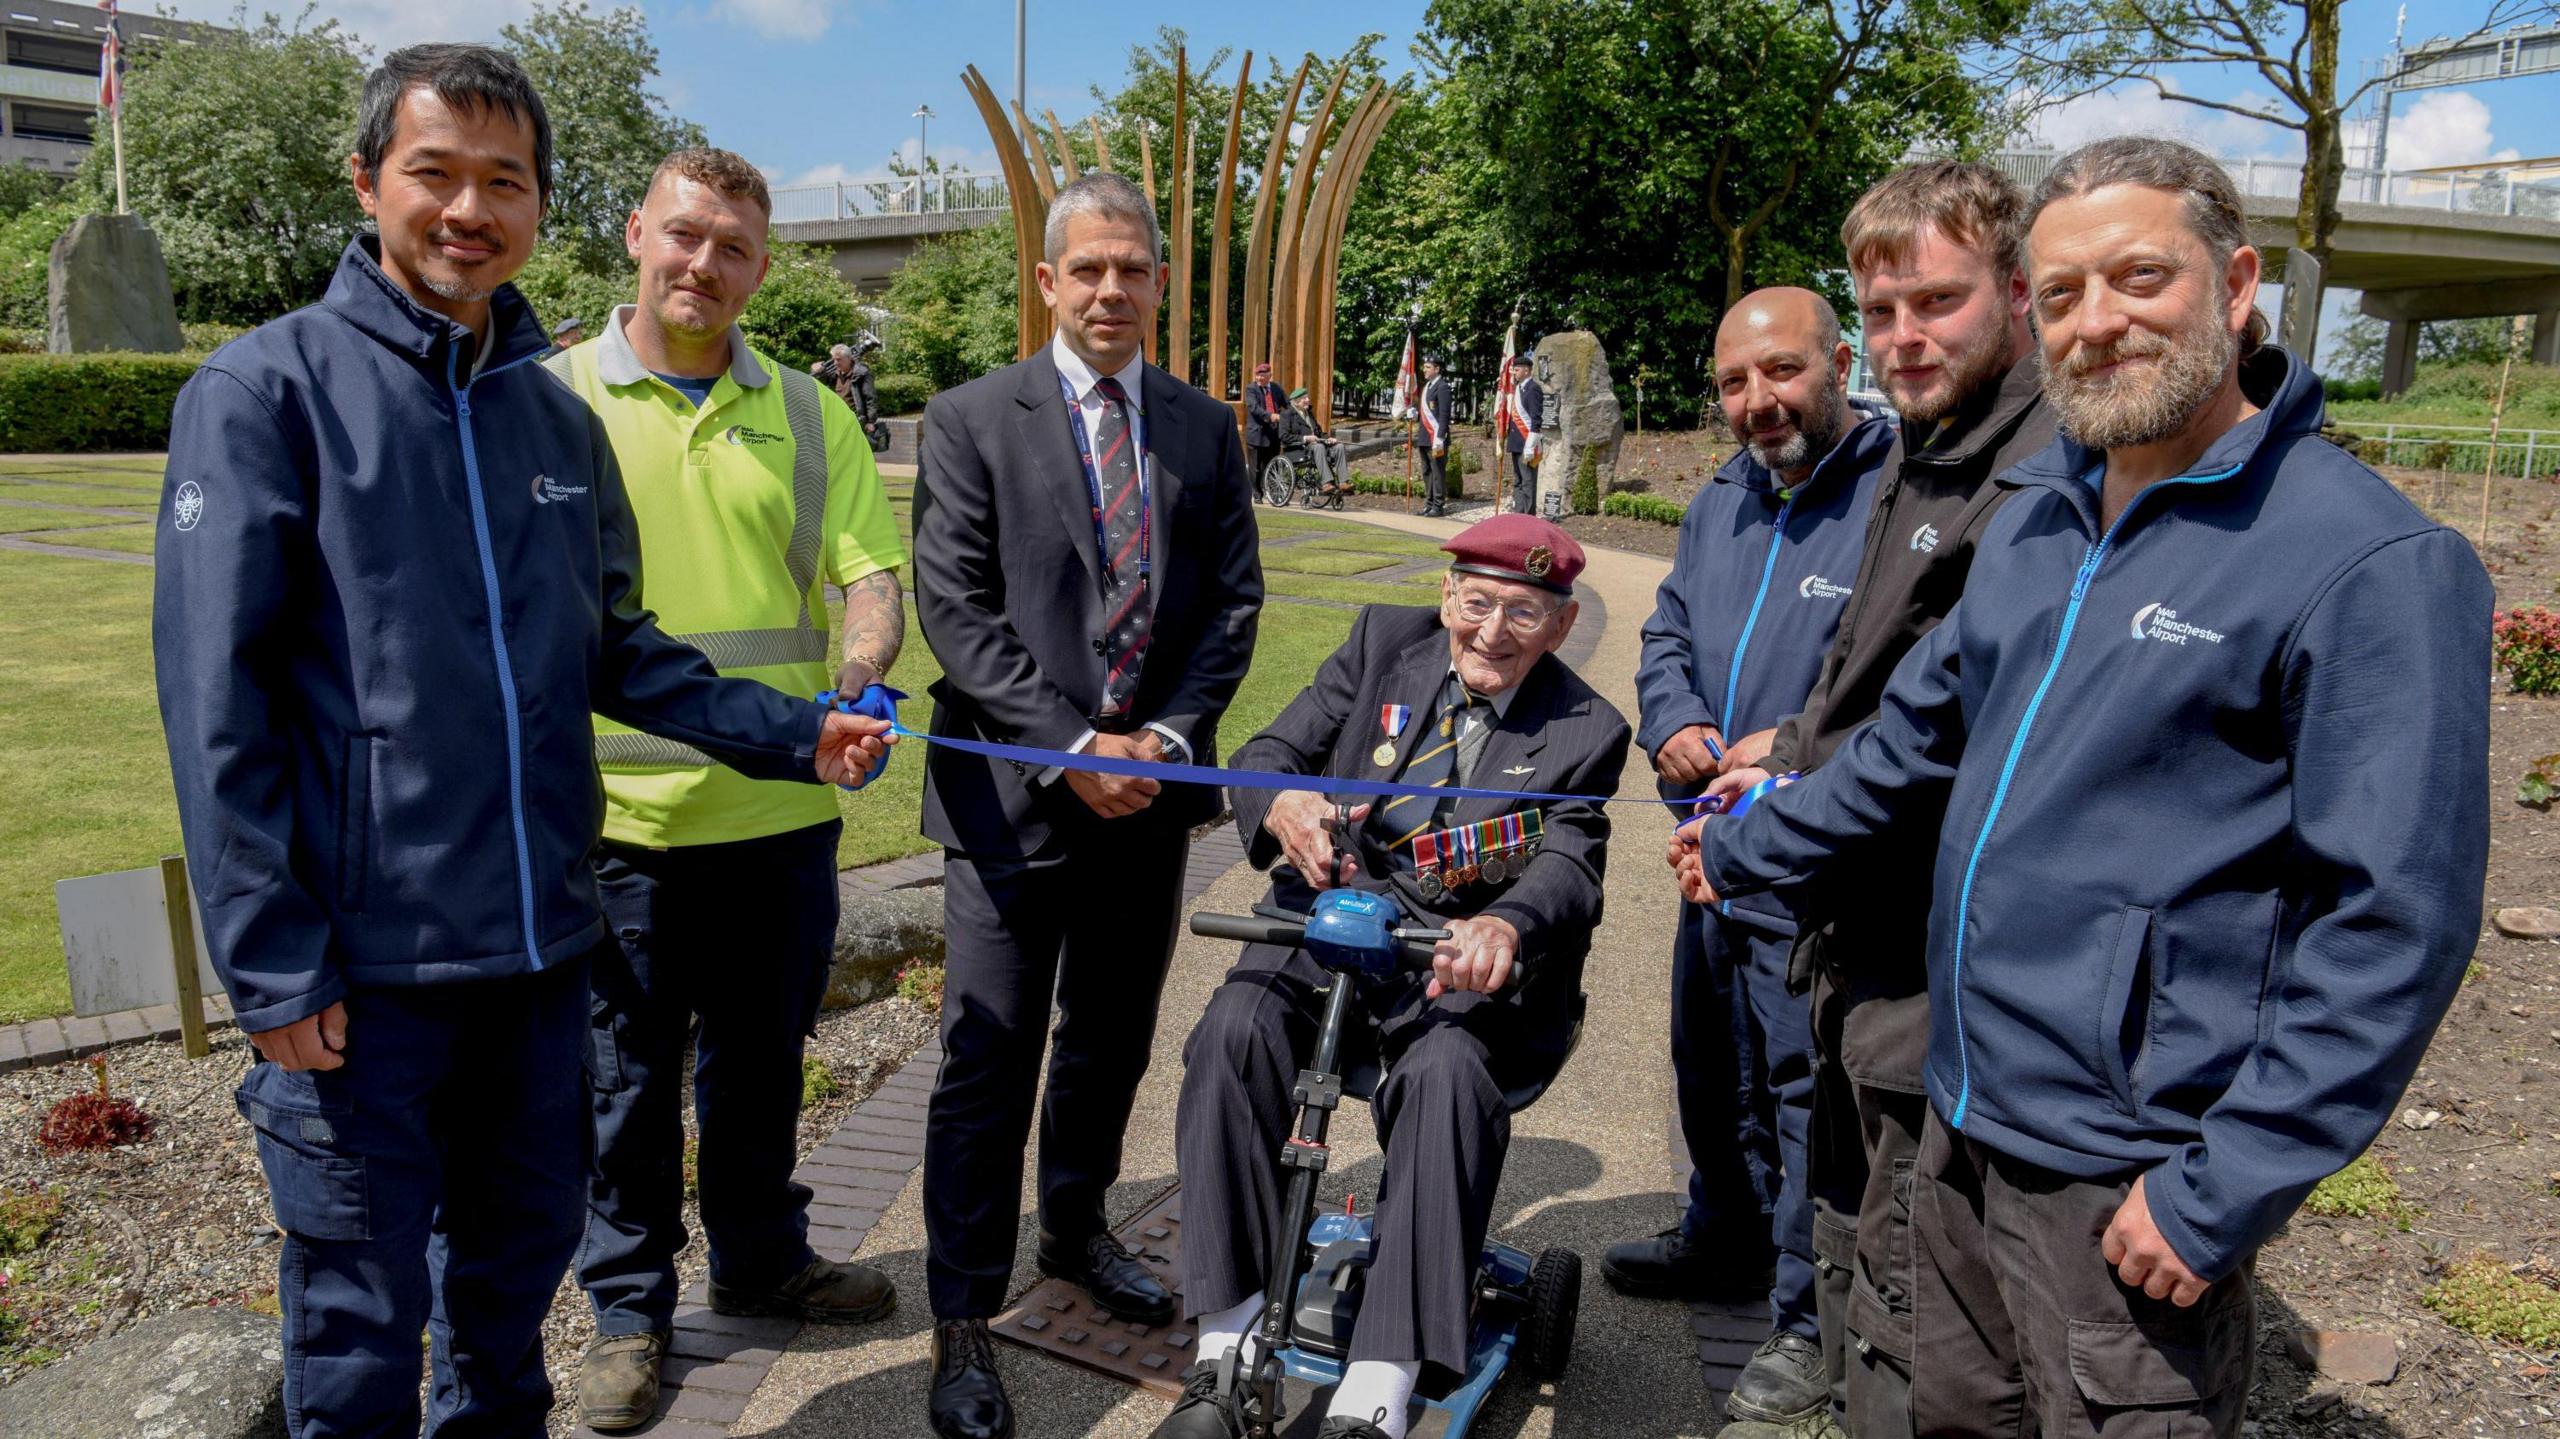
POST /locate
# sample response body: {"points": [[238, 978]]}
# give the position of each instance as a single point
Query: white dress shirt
{"points": [[1087, 384]]}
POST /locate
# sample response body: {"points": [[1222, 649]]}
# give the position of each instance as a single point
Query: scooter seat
{"points": [[1361, 1076]]}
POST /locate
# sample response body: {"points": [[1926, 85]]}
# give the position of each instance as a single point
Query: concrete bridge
{"points": [[2444, 244]]}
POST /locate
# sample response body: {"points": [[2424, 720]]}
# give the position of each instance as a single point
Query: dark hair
{"points": [[2213, 204], [464, 77]]}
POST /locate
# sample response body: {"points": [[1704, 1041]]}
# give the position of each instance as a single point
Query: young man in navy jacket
{"points": [[1738, 633], [2207, 731], [395, 574]]}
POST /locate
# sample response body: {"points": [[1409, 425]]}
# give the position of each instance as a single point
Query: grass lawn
{"points": [[80, 731], [131, 539], [139, 500], [1296, 560]]}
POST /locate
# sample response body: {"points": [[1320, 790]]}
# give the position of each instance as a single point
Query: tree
{"points": [[2291, 45], [235, 151], [954, 301], [803, 308], [609, 132], [2356, 353]]}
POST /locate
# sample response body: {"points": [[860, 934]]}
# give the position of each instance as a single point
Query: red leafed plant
{"points": [[2526, 644], [93, 1120]]}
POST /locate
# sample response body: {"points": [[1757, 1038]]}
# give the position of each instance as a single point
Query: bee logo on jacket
{"points": [[188, 507]]}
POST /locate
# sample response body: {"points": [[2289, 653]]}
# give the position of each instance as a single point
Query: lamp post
{"points": [[923, 115]]}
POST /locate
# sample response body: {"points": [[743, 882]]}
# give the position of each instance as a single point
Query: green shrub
{"points": [[954, 299], [2369, 388], [2362, 1190], [2373, 452], [26, 1220], [204, 339], [1586, 483], [26, 242], [2436, 456], [1643, 507], [89, 402], [2481, 1296], [2526, 644], [558, 288], [803, 309], [817, 1082], [902, 394]]}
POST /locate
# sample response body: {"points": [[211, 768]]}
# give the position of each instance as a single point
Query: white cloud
{"points": [[781, 19], [2137, 109], [383, 25], [2443, 127]]}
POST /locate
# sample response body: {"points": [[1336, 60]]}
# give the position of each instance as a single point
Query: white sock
{"points": [[1222, 1333], [1375, 1390]]}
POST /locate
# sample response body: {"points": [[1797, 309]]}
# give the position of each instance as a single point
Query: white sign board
{"points": [[115, 941]]}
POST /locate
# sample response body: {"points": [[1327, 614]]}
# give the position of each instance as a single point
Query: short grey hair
{"points": [[2213, 206], [1107, 195], [840, 351]]}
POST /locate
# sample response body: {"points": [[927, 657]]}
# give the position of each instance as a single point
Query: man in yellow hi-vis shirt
{"points": [[754, 489]]}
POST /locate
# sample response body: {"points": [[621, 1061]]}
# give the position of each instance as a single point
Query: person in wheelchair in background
{"points": [[1468, 694], [1299, 432]]}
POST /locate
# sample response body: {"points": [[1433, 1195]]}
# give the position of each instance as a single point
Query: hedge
{"points": [[71, 403], [1627, 505], [902, 394]]}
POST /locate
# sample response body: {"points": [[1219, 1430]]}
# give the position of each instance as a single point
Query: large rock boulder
{"points": [[880, 935], [1583, 421], [107, 288], [196, 1374]]}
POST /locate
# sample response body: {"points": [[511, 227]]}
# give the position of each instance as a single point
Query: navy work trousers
{"points": [[431, 1183], [1742, 1051], [740, 935]]}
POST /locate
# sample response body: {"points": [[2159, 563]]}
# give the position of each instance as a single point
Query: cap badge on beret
{"points": [[1540, 560]]}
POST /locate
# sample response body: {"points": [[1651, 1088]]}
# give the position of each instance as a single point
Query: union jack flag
{"points": [[111, 60]]}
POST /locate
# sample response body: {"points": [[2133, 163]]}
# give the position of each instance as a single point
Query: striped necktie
{"points": [[1122, 520], [1447, 756]]}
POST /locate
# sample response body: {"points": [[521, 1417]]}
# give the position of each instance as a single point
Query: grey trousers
{"points": [[2021, 1327]]}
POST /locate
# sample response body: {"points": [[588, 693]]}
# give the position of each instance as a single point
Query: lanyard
{"points": [[1093, 481]]}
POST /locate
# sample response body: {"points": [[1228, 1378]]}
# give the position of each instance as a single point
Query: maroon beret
{"points": [[1520, 548]]}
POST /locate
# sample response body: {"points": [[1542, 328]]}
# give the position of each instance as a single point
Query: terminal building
{"points": [[49, 76]]}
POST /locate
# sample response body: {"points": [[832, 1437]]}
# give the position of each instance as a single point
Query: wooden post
{"points": [[2497, 414], [1177, 343], [1257, 247], [1036, 156], [182, 946], [1293, 247], [1101, 143], [1029, 203], [1068, 170], [1408, 466], [1368, 123], [1219, 227]]}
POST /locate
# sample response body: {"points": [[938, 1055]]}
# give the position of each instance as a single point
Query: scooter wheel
{"points": [[1555, 1305]]}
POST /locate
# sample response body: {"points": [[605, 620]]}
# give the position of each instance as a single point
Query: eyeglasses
{"points": [[1475, 607]]}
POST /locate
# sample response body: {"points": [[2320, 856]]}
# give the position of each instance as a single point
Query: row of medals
{"points": [[1492, 869]]}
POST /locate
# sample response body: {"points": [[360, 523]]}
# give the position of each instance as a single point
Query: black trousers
{"points": [[1435, 475], [2024, 1328], [1087, 924], [1860, 1165], [1261, 457], [1524, 485], [1440, 1119]]}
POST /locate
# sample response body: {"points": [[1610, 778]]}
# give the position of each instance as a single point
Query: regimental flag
{"points": [[111, 60], [1408, 380], [1506, 404]]}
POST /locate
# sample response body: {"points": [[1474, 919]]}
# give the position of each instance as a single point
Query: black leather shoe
{"points": [[1783, 1383], [968, 1395], [1337, 1426], [1668, 1266], [1199, 1413], [1113, 1276]]}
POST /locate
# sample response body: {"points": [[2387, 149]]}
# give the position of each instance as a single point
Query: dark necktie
{"points": [[1446, 754], [1123, 523]]}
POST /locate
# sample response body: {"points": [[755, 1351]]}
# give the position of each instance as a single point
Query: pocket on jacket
{"points": [[318, 1189], [355, 823], [2124, 1020], [2178, 1361]]}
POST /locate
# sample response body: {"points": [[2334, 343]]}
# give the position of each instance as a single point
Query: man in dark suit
{"points": [[1469, 694], [1526, 415], [1431, 439], [1264, 403], [1087, 574]]}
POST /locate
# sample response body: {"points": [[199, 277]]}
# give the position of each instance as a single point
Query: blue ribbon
{"points": [[1255, 778]]}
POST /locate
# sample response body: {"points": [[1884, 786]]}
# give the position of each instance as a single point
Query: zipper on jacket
{"points": [[1751, 621], [498, 648], [2009, 764]]}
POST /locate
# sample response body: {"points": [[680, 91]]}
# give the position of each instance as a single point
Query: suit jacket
{"points": [[1558, 735], [1435, 404], [1008, 590], [1532, 398], [1264, 403]]}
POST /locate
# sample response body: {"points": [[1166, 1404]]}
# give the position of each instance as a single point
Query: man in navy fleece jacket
{"points": [[2208, 731]]}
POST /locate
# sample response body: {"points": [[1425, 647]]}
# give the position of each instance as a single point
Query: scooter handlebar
{"points": [[1257, 929]]}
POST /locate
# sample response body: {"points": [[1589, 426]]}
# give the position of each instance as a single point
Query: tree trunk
{"points": [[1737, 243], [2324, 156]]}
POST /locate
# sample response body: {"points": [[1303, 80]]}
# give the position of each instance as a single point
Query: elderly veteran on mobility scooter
{"points": [[1470, 695]]}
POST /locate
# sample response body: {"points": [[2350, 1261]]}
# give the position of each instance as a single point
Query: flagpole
{"points": [[115, 125]]}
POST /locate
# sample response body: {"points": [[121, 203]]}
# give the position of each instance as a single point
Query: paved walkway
{"points": [[1589, 1164]]}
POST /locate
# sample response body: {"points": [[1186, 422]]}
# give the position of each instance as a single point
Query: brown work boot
{"points": [[618, 1380], [824, 1293]]}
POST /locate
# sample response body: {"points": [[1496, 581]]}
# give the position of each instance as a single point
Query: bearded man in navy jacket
{"points": [[2207, 730]]}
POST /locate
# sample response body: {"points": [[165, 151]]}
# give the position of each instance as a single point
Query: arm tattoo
{"points": [[875, 621]]}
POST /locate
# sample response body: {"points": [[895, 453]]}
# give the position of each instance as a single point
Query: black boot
{"points": [[1668, 1266], [968, 1395], [1201, 1413], [1782, 1384]]}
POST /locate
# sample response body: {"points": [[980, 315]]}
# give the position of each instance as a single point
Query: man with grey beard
{"points": [[1758, 585], [2189, 934], [1933, 249]]}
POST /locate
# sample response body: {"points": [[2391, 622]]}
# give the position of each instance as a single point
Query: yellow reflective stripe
{"points": [[635, 749], [745, 649], [808, 424]]}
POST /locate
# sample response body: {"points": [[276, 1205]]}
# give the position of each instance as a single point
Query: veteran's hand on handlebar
{"points": [[1478, 955], [1685, 757], [1303, 823], [315, 1041], [849, 745], [1111, 795]]}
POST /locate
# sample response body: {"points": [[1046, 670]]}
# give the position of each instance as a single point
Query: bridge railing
{"points": [[2481, 190], [901, 195]]}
